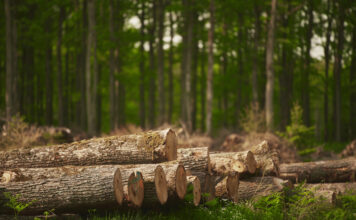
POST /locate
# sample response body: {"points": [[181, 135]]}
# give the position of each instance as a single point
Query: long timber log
{"points": [[267, 159], [149, 147], [222, 163], [320, 171]]}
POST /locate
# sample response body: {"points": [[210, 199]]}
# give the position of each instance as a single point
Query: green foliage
{"points": [[14, 204], [297, 133]]}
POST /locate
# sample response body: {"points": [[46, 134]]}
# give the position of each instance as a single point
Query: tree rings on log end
{"points": [[136, 189], [118, 187], [232, 186], [251, 162], [181, 182], [161, 185], [171, 145]]}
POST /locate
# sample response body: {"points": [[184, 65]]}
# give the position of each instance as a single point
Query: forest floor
{"points": [[299, 203]]}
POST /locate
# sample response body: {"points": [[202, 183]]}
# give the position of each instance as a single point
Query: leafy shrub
{"points": [[14, 204], [253, 119], [297, 133]]}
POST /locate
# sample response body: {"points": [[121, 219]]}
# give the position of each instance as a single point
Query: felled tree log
{"points": [[93, 187], [194, 183], [176, 179], [222, 163], [209, 187], [339, 188], [149, 147], [228, 187], [267, 159], [255, 187], [321, 171], [195, 161], [328, 196]]}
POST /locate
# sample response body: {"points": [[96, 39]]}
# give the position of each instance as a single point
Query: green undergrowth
{"points": [[298, 203]]}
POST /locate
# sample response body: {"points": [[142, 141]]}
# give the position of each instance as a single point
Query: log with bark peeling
{"points": [[222, 163], [149, 147], [267, 159], [321, 171], [90, 188], [228, 187], [255, 187]]}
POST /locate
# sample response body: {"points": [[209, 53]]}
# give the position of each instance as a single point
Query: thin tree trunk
{"points": [[209, 89], [337, 71], [170, 71], [142, 68], [59, 67], [112, 67], [269, 67], [195, 51], [353, 86], [83, 104], [152, 90], [203, 82], [160, 63], [91, 72], [49, 79], [326, 83], [188, 65], [307, 69], [9, 61], [225, 77], [255, 54]]}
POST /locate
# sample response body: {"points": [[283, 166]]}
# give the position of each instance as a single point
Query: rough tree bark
{"points": [[269, 66], [267, 159], [90, 188], [195, 160], [150, 147], [339, 188], [255, 187], [320, 171]]}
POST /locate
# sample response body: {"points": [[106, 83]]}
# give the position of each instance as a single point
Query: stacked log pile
{"points": [[147, 169]]}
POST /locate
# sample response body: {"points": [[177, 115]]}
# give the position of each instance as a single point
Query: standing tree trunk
{"points": [[10, 67], [91, 70], [203, 83], [160, 63], [59, 64], [209, 89], [327, 59], [170, 71], [307, 69], [337, 71], [152, 90], [255, 54], [49, 80], [269, 66], [112, 67], [353, 85], [142, 68]]}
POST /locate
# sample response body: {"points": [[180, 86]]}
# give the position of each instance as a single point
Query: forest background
{"points": [[97, 66]]}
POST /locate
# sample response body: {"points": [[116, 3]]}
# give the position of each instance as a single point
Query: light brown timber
{"points": [[320, 171], [224, 162], [149, 147], [267, 159], [195, 183], [228, 187]]}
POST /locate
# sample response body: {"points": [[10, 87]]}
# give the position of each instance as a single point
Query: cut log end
{"points": [[118, 187], [232, 185], [136, 189], [171, 145], [251, 162], [181, 182], [161, 185]]}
